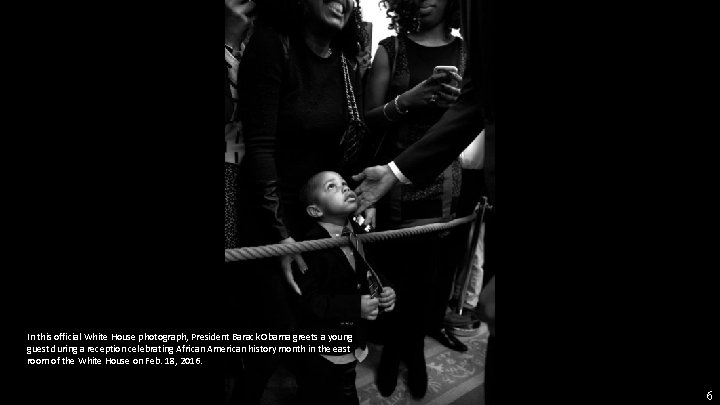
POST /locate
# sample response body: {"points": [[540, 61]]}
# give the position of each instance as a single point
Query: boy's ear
{"points": [[314, 211]]}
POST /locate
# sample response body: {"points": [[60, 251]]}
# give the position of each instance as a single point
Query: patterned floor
{"points": [[453, 377]]}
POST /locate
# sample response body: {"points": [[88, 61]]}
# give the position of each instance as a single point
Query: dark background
{"points": [[605, 198]]}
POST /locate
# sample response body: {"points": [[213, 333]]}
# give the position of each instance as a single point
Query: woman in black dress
{"points": [[237, 26], [405, 97], [294, 110], [293, 103]]}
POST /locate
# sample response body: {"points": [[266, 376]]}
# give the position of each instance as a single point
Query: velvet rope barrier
{"points": [[282, 249]]}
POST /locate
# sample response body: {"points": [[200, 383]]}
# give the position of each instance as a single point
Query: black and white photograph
{"points": [[363, 229], [366, 127]]}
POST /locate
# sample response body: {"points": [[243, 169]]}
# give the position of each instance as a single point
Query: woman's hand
{"points": [[286, 263], [439, 89], [449, 93]]}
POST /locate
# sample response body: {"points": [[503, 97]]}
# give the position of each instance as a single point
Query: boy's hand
{"points": [[368, 307], [387, 299]]}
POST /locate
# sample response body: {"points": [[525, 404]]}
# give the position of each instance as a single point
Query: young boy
{"points": [[335, 294]]}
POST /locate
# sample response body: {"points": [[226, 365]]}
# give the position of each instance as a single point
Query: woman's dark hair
{"points": [[285, 16], [402, 15]]}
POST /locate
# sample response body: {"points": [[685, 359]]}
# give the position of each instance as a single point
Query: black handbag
{"points": [[356, 133]]}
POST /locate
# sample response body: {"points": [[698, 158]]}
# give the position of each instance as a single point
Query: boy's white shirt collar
{"points": [[333, 230]]}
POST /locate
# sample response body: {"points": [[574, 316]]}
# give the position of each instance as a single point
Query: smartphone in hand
{"points": [[448, 78]]}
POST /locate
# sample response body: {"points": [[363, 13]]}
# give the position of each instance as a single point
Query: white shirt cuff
{"points": [[398, 173]]}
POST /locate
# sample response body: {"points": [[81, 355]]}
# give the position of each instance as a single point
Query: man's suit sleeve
{"points": [[443, 143]]}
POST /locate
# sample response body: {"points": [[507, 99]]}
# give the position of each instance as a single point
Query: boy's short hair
{"points": [[308, 193]]}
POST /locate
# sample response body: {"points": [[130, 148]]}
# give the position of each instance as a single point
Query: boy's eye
{"points": [[331, 186]]}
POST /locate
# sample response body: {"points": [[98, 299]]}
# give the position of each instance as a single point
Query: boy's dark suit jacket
{"points": [[331, 290]]}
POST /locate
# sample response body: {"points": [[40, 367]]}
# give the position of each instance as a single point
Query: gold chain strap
{"points": [[349, 93]]}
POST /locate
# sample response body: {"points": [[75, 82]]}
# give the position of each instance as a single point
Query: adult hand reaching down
{"points": [[286, 263], [376, 182]]}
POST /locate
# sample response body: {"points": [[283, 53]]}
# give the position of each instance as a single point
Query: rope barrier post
{"points": [[473, 238]]}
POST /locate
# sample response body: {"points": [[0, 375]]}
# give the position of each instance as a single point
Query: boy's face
{"points": [[333, 196]]}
